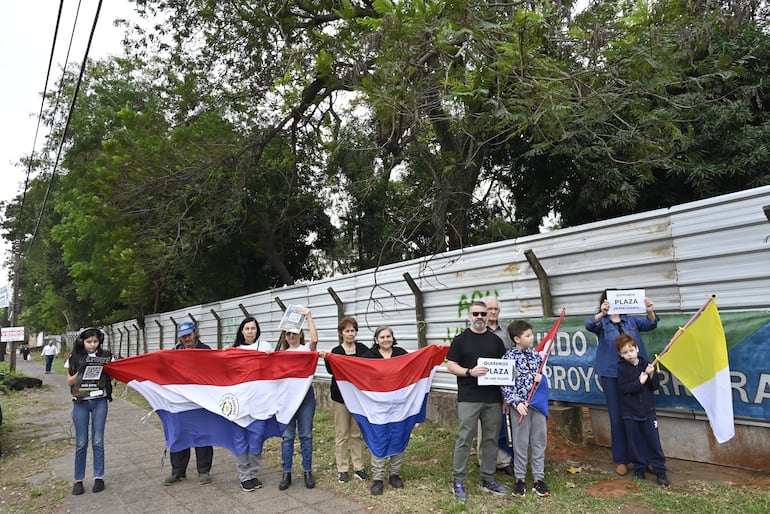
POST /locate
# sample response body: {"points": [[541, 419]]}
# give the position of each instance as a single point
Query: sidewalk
{"points": [[133, 451]]}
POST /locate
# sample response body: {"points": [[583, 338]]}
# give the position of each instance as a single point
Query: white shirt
{"points": [[261, 346]]}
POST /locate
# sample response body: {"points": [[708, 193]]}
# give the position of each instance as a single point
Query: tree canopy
{"points": [[237, 146]]}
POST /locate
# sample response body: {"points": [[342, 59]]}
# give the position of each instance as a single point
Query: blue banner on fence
{"points": [[571, 376]]}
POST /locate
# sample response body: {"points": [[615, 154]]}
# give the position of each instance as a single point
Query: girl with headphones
{"points": [[91, 389]]}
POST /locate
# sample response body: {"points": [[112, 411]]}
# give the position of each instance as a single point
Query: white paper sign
{"points": [[501, 371], [12, 333], [626, 301]]}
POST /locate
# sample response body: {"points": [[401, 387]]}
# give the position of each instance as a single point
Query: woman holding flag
{"points": [[384, 348], [347, 432], [607, 328], [248, 465]]}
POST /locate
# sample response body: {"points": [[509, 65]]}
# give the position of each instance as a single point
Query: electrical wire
{"points": [[40, 114], [66, 126]]}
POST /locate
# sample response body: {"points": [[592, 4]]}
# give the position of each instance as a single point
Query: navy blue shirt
{"points": [[638, 401]]}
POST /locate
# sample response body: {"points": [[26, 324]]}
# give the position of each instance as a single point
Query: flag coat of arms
{"points": [[234, 399], [698, 358], [387, 397]]}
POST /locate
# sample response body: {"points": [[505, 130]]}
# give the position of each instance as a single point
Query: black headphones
{"points": [[98, 333]]}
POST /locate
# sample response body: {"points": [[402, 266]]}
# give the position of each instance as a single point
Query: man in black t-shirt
{"points": [[474, 402]]}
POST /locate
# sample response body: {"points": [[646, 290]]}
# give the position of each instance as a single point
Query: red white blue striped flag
{"points": [[387, 396], [234, 399]]}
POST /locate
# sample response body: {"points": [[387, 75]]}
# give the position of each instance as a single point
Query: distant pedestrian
{"points": [[188, 339], [49, 352], [91, 389], [24, 351]]}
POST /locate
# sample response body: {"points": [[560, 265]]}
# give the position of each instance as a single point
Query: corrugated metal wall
{"points": [[679, 255]]}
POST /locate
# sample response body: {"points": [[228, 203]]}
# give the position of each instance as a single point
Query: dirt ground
{"points": [[597, 460]]}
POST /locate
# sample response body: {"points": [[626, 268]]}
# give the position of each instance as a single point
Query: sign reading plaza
{"points": [[626, 301], [501, 371], [8, 334]]}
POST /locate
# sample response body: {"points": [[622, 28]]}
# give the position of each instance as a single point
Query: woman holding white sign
{"points": [[607, 328]]}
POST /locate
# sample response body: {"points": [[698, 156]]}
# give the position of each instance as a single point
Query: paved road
{"points": [[133, 453]]}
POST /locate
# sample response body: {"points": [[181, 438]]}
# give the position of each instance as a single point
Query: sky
{"points": [[26, 37]]}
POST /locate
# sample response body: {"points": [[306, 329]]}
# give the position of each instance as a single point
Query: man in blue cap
{"points": [[188, 339]]}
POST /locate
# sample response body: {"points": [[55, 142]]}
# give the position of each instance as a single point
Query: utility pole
{"points": [[14, 302]]}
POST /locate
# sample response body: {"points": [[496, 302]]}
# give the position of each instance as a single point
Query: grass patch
{"points": [[26, 481]]}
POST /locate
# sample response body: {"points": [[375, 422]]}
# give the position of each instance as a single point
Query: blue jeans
{"points": [[48, 362], [303, 423], [617, 429], [96, 410]]}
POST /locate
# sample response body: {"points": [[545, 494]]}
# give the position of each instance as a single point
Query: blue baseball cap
{"points": [[186, 327]]}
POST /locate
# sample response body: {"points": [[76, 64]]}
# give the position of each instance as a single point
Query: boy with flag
{"points": [[638, 381], [529, 425]]}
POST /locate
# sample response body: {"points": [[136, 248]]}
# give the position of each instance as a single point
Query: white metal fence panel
{"points": [[679, 255]]}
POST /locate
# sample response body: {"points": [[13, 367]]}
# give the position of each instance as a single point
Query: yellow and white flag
{"points": [[699, 360]]}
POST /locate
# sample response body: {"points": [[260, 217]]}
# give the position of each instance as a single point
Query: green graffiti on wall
{"points": [[464, 305]]}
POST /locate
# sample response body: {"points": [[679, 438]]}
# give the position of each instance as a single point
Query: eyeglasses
{"points": [[476, 314]]}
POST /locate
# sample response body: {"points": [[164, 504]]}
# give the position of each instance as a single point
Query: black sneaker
{"points": [[257, 483], [98, 486], [376, 489], [248, 485], [540, 489], [396, 482], [519, 489], [77, 488], [663, 480], [638, 474], [343, 477], [508, 470], [361, 475]]}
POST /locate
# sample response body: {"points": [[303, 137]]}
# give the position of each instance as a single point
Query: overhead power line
{"points": [[66, 126]]}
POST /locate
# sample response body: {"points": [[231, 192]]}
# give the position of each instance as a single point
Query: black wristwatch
{"points": [[468, 372]]}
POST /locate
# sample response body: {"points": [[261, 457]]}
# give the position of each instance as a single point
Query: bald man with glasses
{"points": [[476, 402]]}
